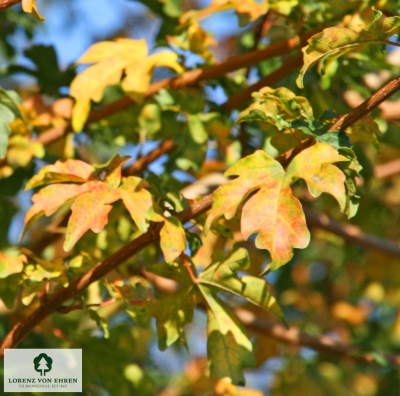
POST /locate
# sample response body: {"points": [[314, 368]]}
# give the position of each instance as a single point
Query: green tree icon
{"points": [[43, 363]]}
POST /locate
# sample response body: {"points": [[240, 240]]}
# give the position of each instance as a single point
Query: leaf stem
{"points": [[186, 262]]}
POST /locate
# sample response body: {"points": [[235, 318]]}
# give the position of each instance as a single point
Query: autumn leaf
{"points": [[21, 150], [67, 171], [111, 59], [314, 166], [191, 37], [334, 42], [247, 10], [90, 212], [172, 239], [30, 7], [277, 106], [137, 200], [95, 188], [269, 208], [50, 199], [11, 265]]}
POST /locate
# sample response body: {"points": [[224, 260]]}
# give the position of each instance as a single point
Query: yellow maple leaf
{"points": [[30, 7], [247, 10], [111, 59]]}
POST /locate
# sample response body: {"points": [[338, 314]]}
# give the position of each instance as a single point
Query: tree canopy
{"points": [[217, 180]]}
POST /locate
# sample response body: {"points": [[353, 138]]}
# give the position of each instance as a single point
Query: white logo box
{"points": [[43, 370]]}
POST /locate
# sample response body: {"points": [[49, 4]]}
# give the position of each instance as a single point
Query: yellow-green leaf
{"points": [[172, 314], [138, 74], [223, 273], [11, 265], [137, 200], [272, 211], [111, 59], [336, 41], [30, 7], [277, 106], [247, 10], [314, 165], [172, 239]]}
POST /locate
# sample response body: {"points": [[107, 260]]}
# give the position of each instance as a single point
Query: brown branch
{"points": [[367, 106], [348, 119], [388, 169], [323, 344], [141, 163], [351, 233], [4, 4], [288, 67], [189, 78], [55, 301]]}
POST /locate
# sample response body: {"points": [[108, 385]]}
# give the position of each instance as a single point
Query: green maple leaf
{"points": [[229, 349], [175, 311], [172, 314], [270, 209], [222, 273]]}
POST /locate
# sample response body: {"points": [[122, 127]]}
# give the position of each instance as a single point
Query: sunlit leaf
{"points": [[277, 106], [247, 10], [90, 212], [172, 239], [11, 265], [270, 209], [112, 59], [67, 171], [336, 41], [137, 200], [30, 7], [100, 186]]}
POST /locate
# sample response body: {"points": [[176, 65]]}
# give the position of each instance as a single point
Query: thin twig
{"points": [[352, 234], [388, 169], [367, 106], [323, 344]]}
